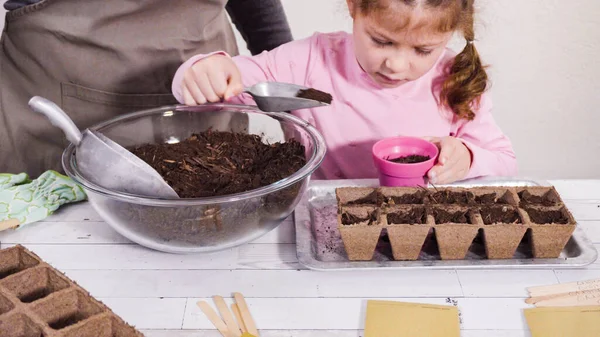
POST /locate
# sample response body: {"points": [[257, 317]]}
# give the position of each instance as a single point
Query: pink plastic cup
{"points": [[401, 174]]}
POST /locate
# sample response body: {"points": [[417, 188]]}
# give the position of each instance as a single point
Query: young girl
{"points": [[392, 76]]}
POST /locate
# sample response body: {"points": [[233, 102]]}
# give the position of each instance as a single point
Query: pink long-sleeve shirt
{"points": [[362, 112]]}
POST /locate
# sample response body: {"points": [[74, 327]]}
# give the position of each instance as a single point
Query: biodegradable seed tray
{"points": [[37, 300], [454, 216], [503, 223]]}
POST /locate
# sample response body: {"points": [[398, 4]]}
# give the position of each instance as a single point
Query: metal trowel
{"points": [[104, 162], [277, 97]]}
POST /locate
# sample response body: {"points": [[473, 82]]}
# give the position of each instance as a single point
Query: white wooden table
{"points": [[157, 292]]}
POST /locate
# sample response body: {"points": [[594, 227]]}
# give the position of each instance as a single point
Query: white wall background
{"points": [[545, 71]]}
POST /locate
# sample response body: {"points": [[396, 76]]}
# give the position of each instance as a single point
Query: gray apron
{"points": [[96, 59]]}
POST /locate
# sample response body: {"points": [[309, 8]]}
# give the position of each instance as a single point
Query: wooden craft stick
{"points": [[214, 318], [232, 326], [563, 288], [593, 300], [245, 313], [9, 224], [567, 290], [238, 316], [574, 294]]}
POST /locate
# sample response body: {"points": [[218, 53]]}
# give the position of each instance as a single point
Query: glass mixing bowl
{"points": [[201, 224]]}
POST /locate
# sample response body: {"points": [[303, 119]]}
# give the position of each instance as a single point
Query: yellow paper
{"points": [[564, 321], [397, 319]]}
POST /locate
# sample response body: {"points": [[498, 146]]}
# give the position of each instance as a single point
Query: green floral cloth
{"points": [[28, 200]]}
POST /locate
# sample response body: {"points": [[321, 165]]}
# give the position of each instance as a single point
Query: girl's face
{"points": [[394, 52]]}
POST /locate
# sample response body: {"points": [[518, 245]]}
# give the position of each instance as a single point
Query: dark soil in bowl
{"points": [[204, 225], [214, 163], [507, 215], [412, 159], [547, 217]]}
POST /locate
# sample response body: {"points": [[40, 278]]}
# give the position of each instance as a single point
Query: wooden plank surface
{"points": [[157, 292]]}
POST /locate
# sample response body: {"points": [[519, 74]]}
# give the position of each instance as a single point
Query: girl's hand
{"points": [[453, 163], [211, 79]]}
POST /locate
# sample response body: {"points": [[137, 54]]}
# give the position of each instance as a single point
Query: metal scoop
{"points": [[276, 97], [103, 161]]}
